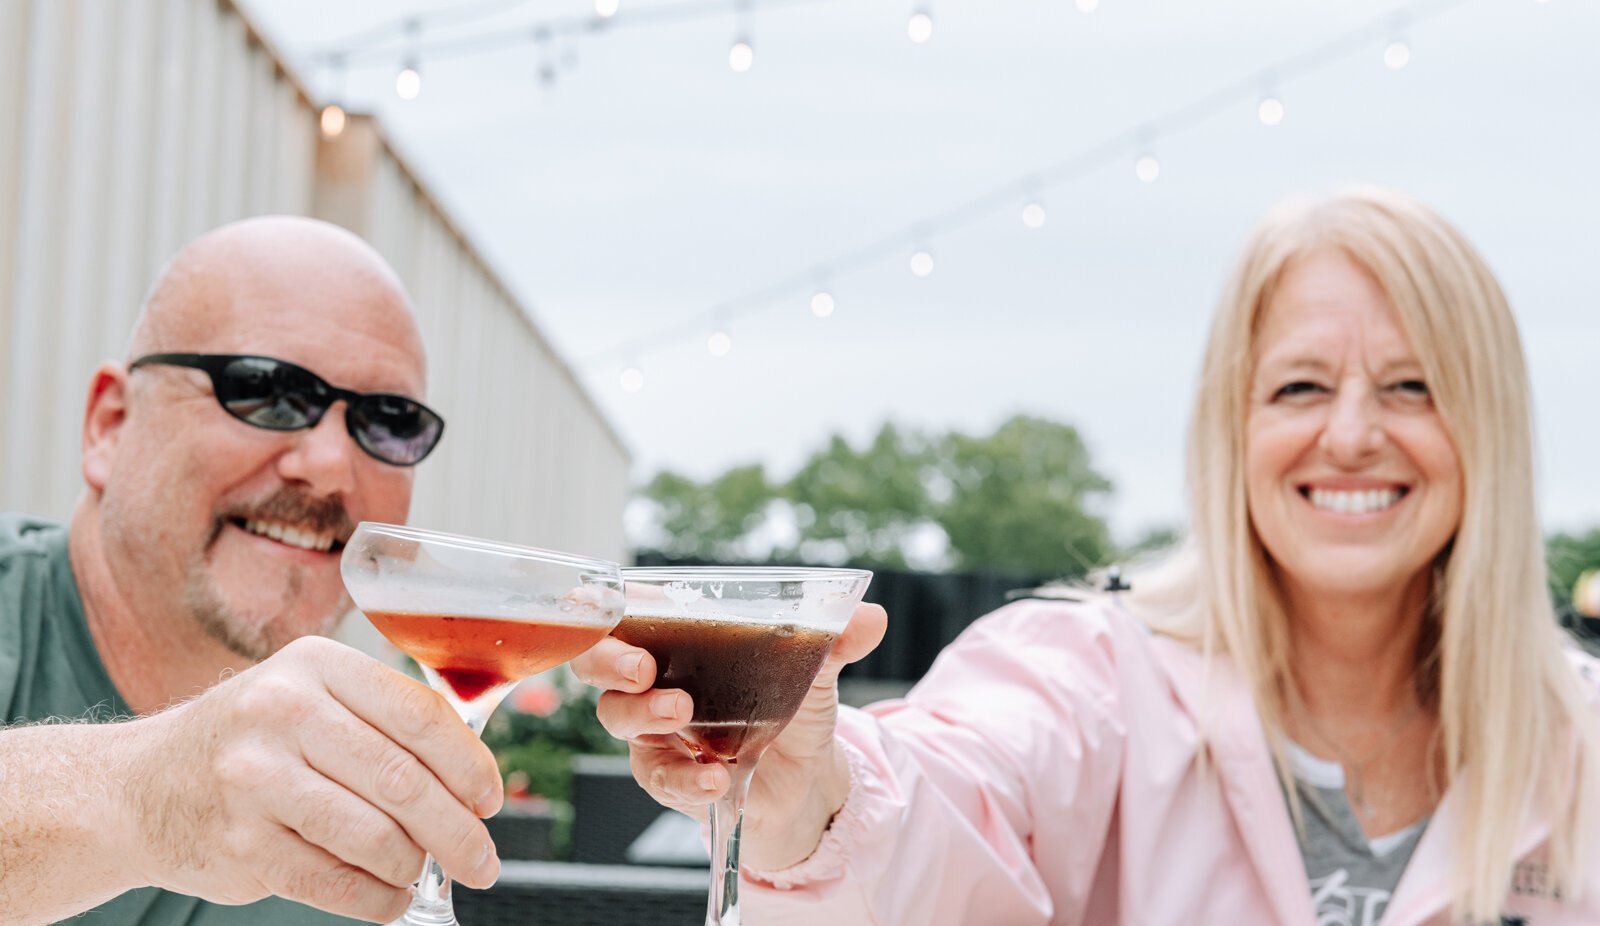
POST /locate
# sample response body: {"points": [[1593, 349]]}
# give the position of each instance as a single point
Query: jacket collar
{"points": [[1217, 697]]}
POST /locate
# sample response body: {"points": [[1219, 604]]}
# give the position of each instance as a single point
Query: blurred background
{"points": [[918, 285]]}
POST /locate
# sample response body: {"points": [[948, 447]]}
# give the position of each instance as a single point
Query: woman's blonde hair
{"points": [[1515, 727]]}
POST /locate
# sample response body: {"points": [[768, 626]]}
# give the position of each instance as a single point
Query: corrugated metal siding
{"points": [[128, 128]]}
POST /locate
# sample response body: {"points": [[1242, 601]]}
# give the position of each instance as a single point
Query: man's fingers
{"points": [[412, 794], [302, 872], [330, 817], [613, 665], [418, 720], [627, 716]]}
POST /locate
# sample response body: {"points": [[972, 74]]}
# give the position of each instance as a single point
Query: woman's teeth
{"points": [[1364, 502]]}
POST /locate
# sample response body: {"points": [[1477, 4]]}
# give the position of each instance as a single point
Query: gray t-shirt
{"points": [[49, 668], [1352, 877]]}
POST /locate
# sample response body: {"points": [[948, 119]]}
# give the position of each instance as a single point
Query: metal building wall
{"points": [[128, 127]]}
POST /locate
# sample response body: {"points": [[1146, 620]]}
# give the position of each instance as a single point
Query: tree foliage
{"points": [[1023, 499], [1569, 556]]}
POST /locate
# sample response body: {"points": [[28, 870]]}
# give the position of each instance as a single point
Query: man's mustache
{"points": [[317, 515]]}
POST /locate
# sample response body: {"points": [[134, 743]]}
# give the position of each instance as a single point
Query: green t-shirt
{"points": [[49, 668]]}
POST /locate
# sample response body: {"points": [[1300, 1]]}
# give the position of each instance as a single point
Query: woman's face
{"points": [[1353, 484]]}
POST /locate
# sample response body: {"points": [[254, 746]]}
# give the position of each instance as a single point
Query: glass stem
{"points": [[430, 899], [727, 819]]}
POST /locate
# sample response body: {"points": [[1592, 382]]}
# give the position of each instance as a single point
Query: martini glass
{"points": [[745, 643], [478, 617]]}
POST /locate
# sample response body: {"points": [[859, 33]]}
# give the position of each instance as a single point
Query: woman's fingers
{"points": [[628, 716], [613, 665]]}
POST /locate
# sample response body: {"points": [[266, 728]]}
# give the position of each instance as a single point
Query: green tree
{"points": [[709, 519], [1023, 499], [1568, 556], [860, 506]]}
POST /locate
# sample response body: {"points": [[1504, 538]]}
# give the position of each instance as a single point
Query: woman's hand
{"points": [[803, 778]]}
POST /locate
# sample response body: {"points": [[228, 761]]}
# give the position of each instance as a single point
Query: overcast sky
{"points": [[651, 184]]}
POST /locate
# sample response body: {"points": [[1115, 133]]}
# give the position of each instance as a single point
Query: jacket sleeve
{"points": [[1015, 727]]}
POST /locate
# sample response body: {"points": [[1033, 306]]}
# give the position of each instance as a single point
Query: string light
{"points": [[719, 343], [1147, 168], [1270, 111], [605, 9], [332, 120], [920, 25], [545, 57], [1397, 55], [1087, 6], [741, 56], [408, 83], [632, 379]]}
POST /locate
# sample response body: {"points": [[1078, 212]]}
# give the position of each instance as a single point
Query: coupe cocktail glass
{"points": [[478, 617], [745, 643]]}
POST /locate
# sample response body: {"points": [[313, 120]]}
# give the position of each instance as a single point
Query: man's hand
{"points": [[319, 775], [802, 779]]}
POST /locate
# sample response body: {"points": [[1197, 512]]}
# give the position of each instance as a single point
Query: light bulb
{"points": [[605, 8], [1033, 215], [921, 263], [719, 343], [332, 120], [1147, 168], [632, 379], [920, 27], [822, 304], [1087, 6], [1270, 111], [741, 56], [1397, 55], [408, 83]]}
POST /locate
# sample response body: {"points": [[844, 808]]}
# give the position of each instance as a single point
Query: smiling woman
{"points": [[1366, 545], [1346, 699]]}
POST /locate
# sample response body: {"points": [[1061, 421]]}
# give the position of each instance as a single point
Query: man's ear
{"points": [[107, 411]]}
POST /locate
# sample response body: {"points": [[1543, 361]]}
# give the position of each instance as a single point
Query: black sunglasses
{"points": [[282, 396]]}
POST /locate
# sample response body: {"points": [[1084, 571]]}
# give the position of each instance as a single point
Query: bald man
{"points": [[270, 400]]}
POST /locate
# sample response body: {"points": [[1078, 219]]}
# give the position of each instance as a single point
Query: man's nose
{"points": [[323, 457], [1354, 431]]}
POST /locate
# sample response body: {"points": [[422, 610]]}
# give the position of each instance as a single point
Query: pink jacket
{"points": [[1046, 771]]}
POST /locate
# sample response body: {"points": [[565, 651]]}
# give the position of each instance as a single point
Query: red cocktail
{"points": [[478, 617]]}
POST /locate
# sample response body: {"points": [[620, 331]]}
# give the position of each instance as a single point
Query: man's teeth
{"points": [[1354, 502], [305, 539]]}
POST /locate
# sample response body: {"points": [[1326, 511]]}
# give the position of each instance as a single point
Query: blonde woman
{"points": [[1347, 698]]}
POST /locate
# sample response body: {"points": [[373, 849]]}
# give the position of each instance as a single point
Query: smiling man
{"points": [[270, 400]]}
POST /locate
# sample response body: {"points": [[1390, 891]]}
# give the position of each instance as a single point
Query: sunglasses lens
{"points": [[271, 394], [395, 429]]}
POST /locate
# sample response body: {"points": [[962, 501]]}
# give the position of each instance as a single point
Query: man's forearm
{"points": [[62, 820]]}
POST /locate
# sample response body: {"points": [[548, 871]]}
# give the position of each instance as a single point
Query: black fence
{"points": [[586, 895], [926, 611]]}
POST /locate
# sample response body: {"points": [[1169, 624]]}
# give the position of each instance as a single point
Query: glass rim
{"points": [[742, 573], [480, 544]]}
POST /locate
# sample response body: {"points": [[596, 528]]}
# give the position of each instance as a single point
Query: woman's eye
{"points": [[1410, 388], [1299, 388]]}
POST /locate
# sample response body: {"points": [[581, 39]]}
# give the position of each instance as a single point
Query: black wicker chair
{"points": [[522, 835], [609, 809]]}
